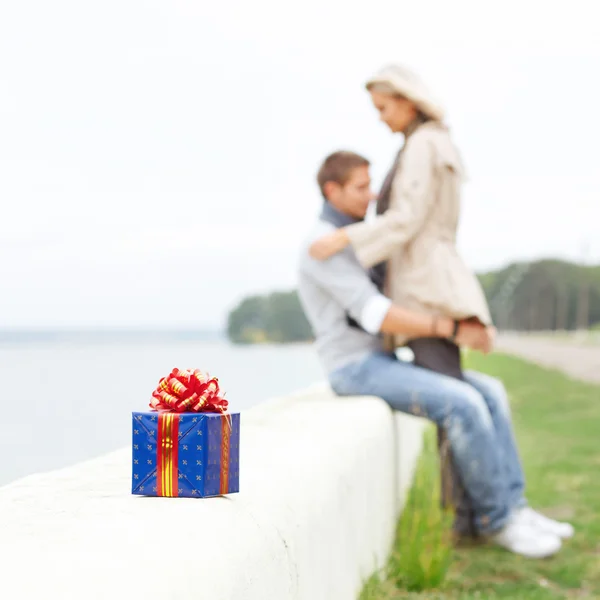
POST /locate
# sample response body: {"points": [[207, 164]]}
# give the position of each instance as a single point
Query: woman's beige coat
{"points": [[417, 234]]}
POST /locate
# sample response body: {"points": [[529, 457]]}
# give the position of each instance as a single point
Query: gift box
{"points": [[188, 445], [188, 454]]}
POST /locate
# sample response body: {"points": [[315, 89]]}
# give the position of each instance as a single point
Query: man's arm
{"points": [[347, 282], [401, 321]]}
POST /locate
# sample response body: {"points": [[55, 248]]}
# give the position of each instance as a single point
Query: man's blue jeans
{"points": [[475, 414]]}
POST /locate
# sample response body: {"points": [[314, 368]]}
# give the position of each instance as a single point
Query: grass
{"points": [[557, 422]]}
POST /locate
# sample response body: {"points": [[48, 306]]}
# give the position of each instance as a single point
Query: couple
{"points": [[368, 287]]}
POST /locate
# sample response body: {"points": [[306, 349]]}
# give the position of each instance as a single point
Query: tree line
{"points": [[529, 296]]}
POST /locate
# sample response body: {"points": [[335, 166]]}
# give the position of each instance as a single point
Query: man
{"points": [[348, 314]]}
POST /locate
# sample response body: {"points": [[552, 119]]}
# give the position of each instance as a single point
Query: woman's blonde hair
{"points": [[397, 81], [381, 87]]}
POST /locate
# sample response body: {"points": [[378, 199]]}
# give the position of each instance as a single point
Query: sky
{"points": [[158, 159]]}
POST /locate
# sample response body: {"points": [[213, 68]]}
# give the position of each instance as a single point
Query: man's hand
{"points": [[476, 336], [329, 245]]}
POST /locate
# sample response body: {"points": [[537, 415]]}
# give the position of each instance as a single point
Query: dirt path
{"points": [[578, 359]]}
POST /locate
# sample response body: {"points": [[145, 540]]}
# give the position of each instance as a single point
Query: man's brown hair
{"points": [[338, 166]]}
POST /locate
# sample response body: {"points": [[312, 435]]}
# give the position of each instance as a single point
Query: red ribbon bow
{"points": [[188, 391]]}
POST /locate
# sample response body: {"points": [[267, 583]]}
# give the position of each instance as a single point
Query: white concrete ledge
{"points": [[322, 482]]}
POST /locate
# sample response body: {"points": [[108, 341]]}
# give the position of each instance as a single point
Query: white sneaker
{"points": [[521, 538], [533, 518]]}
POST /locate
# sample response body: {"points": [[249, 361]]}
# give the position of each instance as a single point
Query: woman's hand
{"points": [[329, 245], [476, 336]]}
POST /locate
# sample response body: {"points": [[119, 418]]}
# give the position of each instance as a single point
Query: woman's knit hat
{"points": [[404, 82]]}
